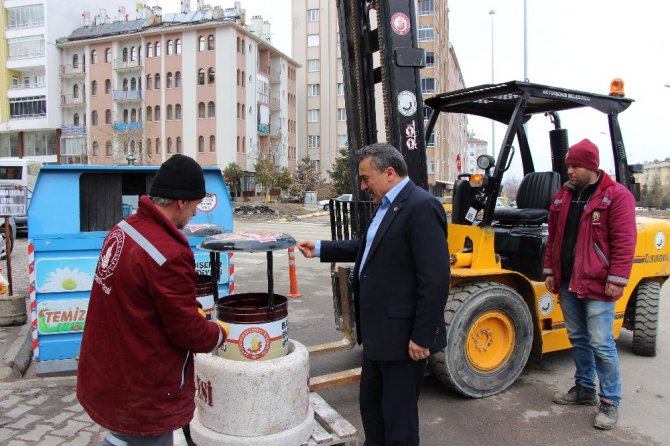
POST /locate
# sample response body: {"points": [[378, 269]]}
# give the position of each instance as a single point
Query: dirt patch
{"points": [[271, 211]]}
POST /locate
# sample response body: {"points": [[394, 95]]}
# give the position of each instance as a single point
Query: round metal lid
{"points": [[248, 242], [202, 230]]}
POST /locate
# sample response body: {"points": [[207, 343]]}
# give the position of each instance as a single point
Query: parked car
{"points": [[325, 204], [12, 236]]}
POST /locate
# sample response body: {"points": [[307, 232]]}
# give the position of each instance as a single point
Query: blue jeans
{"points": [[589, 325]]}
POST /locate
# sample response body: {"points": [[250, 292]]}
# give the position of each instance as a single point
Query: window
{"points": [[75, 119], [158, 145], [168, 115], [169, 145], [313, 65], [340, 89], [125, 116], [426, 112], [239, 77], [312, 40], [177, 79], [157, 81], [96, 148], [168, 48], [157, 113], [342, 141], [94, 57], [341, 114], [108, 55], [125, 85], [94, 117], [210, 76], [201, 110], [108, 148], [201, 144], [313, 89], [75, 61], [313, 141], [312, 15], [75, 91], [210, 42], [201, 76], [168, 81], [133, 115], [177, 112], [149, 83], [430, 59], [426, 7], [427, 85], [24, 47], [124, 55], [150, 113], [243, 53], [133, 53], [431, 140], [25, 16], [158, 49], [177, 44], [108, 116], [94, 88], [243, 78], [211, 110], [150, 50], [238, 144], [108, 86], [133, 84], [212, 144], [178, 144], [201, 43], [313, 115], [148, 146], [426, 33]]}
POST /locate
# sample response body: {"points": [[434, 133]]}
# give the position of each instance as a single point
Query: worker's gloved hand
{"points": [[224, 327]]}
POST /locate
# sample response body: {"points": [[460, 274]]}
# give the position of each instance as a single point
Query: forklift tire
{"points": [[489, 338], [646, 318]]}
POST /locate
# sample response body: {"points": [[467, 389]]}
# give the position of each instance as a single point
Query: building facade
{"points": [[321, 108], [201, 83], [30, 100]]}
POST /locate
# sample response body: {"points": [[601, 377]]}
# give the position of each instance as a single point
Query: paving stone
{"points": [[10, 401], [28, 392], [38, 401], [60, 418], [82, 439], [69, 398], [50, 440], [7, 433], [24, 421], [16, 443], [35, 434], [75, 408], [18, 411], [70, 429]]}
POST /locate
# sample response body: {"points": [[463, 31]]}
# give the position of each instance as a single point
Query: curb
{"points": [[302, 217], [16, 360]]}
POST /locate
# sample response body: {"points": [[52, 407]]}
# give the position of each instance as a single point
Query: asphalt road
{"points": [[523, 414]]}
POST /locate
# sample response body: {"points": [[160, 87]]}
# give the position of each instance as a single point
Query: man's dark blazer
{"points": [[403, 286]]}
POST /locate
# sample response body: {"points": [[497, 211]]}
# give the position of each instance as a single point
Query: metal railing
{"points": [[120, 64], [73, 69], [121, 95], [127, 126], [68, 99], [29, 86], [73, 130]]}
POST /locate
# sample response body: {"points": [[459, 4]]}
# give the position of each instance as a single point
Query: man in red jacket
{"points": [[590, 250], [135, 374]]}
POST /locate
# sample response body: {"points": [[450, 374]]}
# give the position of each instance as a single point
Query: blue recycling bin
{"points": [[71, 211]]}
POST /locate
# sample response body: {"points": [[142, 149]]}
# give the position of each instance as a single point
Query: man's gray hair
{"points": [[160, 201], [383, 155]]}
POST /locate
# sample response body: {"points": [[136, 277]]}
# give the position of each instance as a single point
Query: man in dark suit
{"points": [[401, 282]]}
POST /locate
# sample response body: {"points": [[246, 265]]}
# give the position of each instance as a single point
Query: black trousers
{"points": [[389, 398]]}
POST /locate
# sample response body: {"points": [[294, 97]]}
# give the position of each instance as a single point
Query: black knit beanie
{"points": [[179, 178]]}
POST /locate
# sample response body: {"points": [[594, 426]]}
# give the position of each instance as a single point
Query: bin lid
{"points": [[202, 230], [248, 242]]}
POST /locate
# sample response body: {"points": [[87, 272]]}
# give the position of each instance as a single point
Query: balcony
{"points": [[127, 126], [275, 131], [274, 104], [263, 129], [127, 65], [32, 89], [68, 100], [73, 130], [130, 95], [272, 74], [72, 70]]}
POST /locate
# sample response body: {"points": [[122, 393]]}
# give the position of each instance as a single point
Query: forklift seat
{"points": [[532, 200]]}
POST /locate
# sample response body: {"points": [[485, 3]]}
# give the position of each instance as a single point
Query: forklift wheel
{"points": [[489, 338], [646, 318]]}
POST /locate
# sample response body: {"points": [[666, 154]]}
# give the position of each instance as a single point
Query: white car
{"points": [[325, 204]]}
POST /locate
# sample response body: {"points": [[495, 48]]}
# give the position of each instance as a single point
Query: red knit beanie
{"points": [[584, 154]]}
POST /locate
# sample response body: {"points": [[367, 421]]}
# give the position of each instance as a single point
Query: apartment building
{"points": [[202, 83], [321, 107], [30, 117]]}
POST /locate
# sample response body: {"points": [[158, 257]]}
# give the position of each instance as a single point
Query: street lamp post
{"points": [[493, 123]]}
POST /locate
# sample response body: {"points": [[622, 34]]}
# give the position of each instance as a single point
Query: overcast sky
{"points": [[578, 44]]}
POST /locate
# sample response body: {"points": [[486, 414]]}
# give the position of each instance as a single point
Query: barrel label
{"points": [[254, 343]]}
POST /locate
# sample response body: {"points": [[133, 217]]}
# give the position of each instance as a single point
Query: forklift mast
{"points": [[400, 59]]}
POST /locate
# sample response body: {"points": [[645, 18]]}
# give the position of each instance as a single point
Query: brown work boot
{"points": [[577, 395], [607, 416]]}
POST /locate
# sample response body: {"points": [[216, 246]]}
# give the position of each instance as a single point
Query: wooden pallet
{"points": [[332, 428]]}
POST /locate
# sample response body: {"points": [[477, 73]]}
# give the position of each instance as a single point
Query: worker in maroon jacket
{"points": [[590, 251], [135, 373]]}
